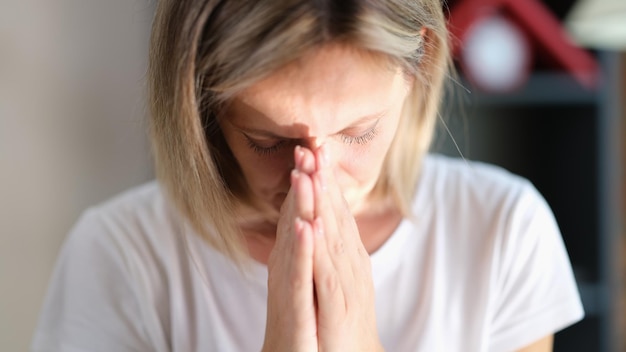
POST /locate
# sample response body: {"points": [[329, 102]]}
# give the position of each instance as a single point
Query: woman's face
{"points": [[347, 100]]}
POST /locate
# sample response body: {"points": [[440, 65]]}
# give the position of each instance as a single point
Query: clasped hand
{"points": [[320, 289]]}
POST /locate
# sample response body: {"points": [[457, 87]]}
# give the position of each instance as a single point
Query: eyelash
{"points": [[362, 139], [264, 151], [348, 140]]}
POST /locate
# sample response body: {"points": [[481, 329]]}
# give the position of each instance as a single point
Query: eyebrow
{"points": [[268, 134]]}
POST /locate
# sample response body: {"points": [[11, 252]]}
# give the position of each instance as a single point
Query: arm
{"points": [[320, 288], [542, 345]]}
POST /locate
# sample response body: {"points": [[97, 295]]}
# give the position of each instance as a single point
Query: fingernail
{"points": [[294, 175], [299, 153], [298, 224]]}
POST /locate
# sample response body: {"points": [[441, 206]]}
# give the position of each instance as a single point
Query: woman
{"points": [[296, 207]]}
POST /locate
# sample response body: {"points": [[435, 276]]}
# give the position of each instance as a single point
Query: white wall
{"points": [[72, 133]]}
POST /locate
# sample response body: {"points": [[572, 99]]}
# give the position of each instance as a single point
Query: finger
{"points": [[335, 245], [329, 202], [291, 311], [303, 194], [324, 211], [307, 160], [285, 223], [302, 268], [297, 156], [328, 288], [336, 203], [288, 212]]}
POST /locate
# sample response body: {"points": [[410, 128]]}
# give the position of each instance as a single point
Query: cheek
{"points": [[362, 164], [264, 174]]}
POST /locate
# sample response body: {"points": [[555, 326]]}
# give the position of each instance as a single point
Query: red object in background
{"points": [[541, 26], [496, 55]]}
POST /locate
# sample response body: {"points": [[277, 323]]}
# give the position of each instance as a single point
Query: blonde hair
{"points": [[204, 52]]}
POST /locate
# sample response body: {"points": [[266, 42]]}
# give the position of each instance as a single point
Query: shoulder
{"points": [[142, 211], [484, 211], [138, 231], [143, 202], [112, 267], [467, 174], [495, 227], [469, 186]]}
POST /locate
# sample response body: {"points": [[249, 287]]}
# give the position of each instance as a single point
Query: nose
{"points": [[311, 142], [332, 150]]}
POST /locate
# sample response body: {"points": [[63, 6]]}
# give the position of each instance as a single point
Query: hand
{"points": [[320, 289], [346, 317], [291, 314]]}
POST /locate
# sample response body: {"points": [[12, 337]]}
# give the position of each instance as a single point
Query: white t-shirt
{"points": [[482, 267]]}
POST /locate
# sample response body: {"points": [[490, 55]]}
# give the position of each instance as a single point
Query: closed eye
{"points": [[362, 139], [268, 150], [263, 150]]}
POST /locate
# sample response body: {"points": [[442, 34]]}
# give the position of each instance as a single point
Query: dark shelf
{"points": [[543, 88], [561, 136], [592, 295]]}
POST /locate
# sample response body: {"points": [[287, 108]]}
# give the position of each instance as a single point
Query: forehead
{"points": [[330, 85]]}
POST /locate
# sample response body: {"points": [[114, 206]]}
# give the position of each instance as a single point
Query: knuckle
{"points": [[337, 247], [297, 283], [330, 283]]}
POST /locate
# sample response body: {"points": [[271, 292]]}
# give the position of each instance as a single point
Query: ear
{"points": [[421, 51]]}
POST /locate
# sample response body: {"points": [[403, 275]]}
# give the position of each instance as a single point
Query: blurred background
{"points": [[550, 107], [72, 133], [541, 92]]}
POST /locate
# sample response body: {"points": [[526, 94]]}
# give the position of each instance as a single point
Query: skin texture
{"points": [[542, 345], [333, 96], [327, 302], [350, 101], [311, 140]]}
